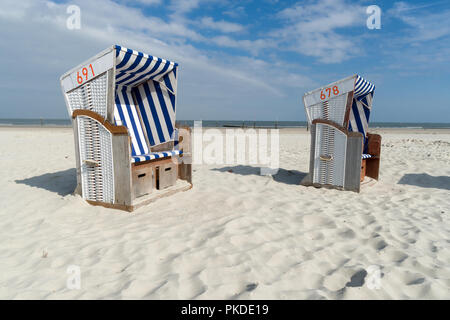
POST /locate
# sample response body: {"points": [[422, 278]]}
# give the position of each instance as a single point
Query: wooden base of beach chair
{"points": [[167, 176], [308, 182], [165, 172], [371, 167], [374, 148], [158, 175], [152, 175], [179, 186], [143, 180], [363, 169], [185, 172]]}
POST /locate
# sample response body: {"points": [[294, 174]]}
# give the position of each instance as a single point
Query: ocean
{"points": [[226, 123]]}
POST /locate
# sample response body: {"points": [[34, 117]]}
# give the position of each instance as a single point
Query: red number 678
{"points": [[335, 92]]}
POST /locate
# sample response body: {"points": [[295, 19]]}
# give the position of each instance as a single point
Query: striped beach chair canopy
{"points": [[362, 104], [361, 107], [145, 101]]}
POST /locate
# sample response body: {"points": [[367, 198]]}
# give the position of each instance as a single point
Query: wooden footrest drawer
{"points": [[167, 175]]}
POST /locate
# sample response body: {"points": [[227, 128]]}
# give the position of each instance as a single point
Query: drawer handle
{"points": [[326, 157], [91, 163], [141, 175], [167, 169]]}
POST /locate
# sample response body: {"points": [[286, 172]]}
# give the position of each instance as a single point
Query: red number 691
{"points": [[85, 73]]}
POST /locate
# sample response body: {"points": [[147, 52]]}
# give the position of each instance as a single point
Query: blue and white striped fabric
{"points": [[360, 114], [145, 101], [133, 67], [157, 107], [363, 87], [155, 155], [125, 114], [361, 106], [366, 156]]}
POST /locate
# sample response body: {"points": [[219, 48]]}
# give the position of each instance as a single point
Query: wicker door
{"points": [[97, 175], [329, 157]]}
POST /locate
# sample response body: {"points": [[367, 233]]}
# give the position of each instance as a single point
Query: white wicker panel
{"points": [[97, 175], [332, 109], [332, 144], [90, 96], [337, 106]]}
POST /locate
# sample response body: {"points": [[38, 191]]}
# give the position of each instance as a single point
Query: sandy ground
{"points": [[236, 234]]}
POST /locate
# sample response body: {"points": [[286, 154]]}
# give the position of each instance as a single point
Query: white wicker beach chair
{"points": [[128, 149], [342, 150]]}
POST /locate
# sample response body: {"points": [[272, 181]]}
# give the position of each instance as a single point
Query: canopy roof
{"points": [[145, 97], [133, 68], [362, 87], [356, 83]]}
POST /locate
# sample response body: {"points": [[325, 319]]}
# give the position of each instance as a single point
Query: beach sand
{"points": [[236, 234]]}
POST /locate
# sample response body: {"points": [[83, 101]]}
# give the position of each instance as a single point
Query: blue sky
{"points": [[239, 60]]}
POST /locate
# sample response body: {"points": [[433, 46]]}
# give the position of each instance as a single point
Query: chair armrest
{"points": [[337, 126], [374, 144], [115, 130], [184, 140]]}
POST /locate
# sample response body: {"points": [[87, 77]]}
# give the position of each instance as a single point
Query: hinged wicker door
{"points": [[97, 176], [329, 157]]}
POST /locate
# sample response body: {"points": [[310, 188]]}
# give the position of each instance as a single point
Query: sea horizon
{"points": [[44, 122]]}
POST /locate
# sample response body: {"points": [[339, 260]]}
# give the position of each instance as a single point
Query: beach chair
{"points": [[343, 152], [128, 150]]}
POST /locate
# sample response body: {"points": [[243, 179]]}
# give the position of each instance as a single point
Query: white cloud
{"points": [[143, 2], [150, 2], [425, 26], [222, 26], [312, 29], [252, 46], [235, 12], [180, 7]]}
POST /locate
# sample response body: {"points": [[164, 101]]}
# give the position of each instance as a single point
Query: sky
{"points": [[239, 60]]}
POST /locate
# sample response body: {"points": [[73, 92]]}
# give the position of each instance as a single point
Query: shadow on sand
{"points": [[426, 181], [283, 175], [61, 182]]}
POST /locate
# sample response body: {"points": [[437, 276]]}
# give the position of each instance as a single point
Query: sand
{"points": [[235, 235]]}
